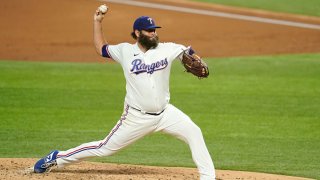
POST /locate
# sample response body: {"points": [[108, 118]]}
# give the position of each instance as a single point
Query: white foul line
{"points": [[215, 13]]}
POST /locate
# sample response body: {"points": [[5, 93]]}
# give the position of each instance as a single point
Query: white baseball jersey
{"points": [[147, 74], [147, 84]]}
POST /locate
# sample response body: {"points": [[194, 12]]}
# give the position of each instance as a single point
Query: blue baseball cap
{"points": [[144, 23]]}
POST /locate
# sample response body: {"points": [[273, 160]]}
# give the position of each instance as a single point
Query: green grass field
{"points": [[303, 7], [257, 114]]}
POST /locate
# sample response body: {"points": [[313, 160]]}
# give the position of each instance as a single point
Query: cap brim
{"points": [[154, 27]]}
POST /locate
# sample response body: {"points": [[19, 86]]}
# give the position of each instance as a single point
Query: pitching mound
{"points": [[20, 168]]}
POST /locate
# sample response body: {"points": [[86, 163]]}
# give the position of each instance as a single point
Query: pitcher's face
{"points": [[148, 38]]}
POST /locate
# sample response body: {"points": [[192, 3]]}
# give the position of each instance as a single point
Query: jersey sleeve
{"points": [[176, 50], [113, 52]]}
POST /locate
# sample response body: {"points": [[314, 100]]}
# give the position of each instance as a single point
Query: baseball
{"points": [[103, 8]]}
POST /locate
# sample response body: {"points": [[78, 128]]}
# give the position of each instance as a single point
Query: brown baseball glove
{"points": [[195, 65]]}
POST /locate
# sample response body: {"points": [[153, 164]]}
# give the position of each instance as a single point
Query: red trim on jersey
{"points": [[100, 144]]}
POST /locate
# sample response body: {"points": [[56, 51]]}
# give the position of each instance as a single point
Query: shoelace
{"points": [[48, 165]]}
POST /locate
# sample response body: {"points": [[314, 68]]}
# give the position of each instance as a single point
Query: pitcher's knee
{"points": [[196, 129], [104, 151], [194, 132]]}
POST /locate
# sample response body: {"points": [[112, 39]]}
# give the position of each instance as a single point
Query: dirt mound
{"points": [[20, 168]]}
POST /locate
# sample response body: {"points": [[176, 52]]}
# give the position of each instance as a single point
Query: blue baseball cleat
{"points": [[46, 163]]}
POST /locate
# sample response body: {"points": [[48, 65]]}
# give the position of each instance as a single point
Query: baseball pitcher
{"points": [[146, 66]]}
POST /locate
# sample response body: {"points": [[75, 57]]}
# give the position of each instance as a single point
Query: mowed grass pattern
{"points": [[256, 114], [302, 7]]}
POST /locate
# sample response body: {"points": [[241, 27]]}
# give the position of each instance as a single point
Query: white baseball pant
{"points": [[134, 125]]}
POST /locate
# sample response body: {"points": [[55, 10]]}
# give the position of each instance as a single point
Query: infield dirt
{"points": [[20, 169], [61, 30]]}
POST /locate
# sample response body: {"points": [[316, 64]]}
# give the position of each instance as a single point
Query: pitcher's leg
{"points": [[128, 130], [181, 126]]}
